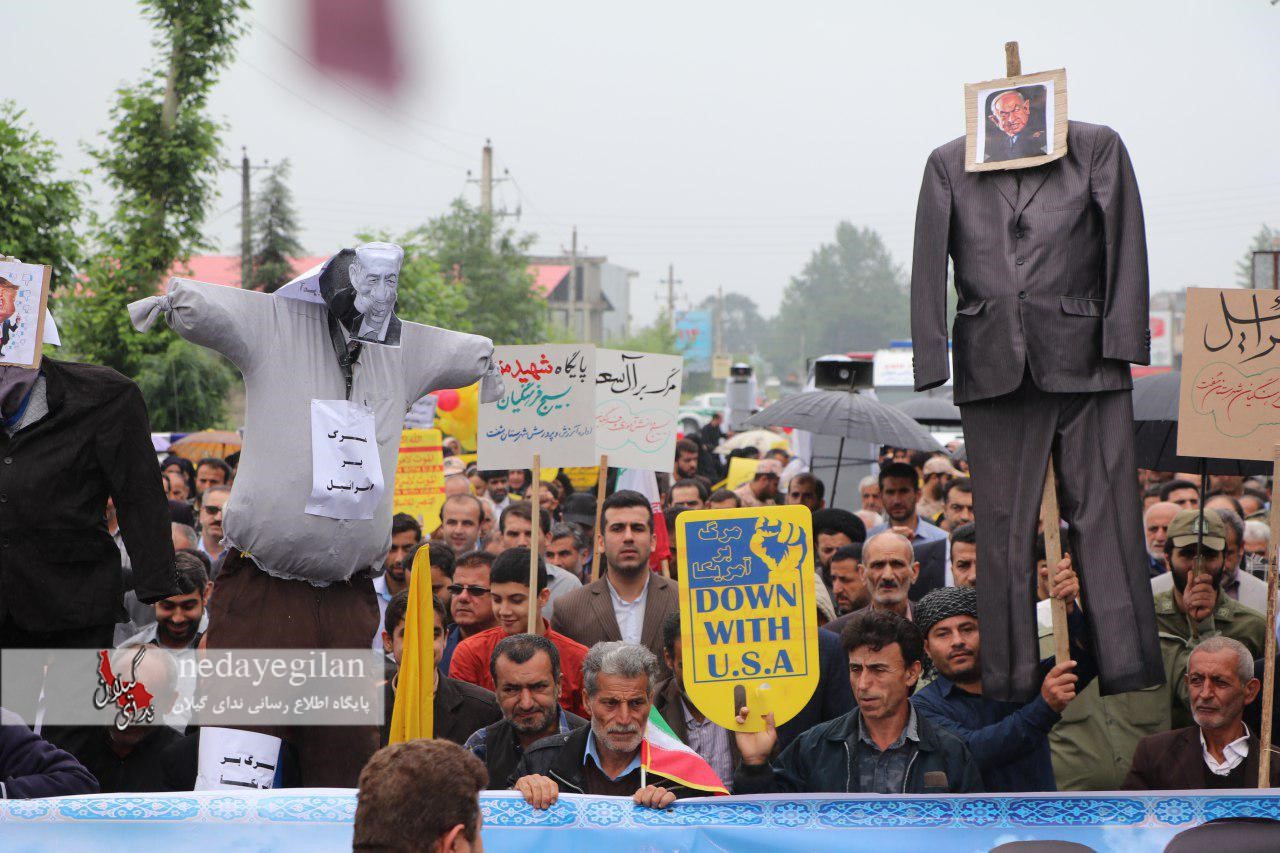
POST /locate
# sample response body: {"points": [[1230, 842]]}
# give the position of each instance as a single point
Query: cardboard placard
{"points": [[747, 612], [1230, 394], [24, 295], [637, 401], [420, 476], [1015, 122], [547, 408]]}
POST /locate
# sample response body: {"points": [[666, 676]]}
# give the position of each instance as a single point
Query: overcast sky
{"points": [[727, 138]]}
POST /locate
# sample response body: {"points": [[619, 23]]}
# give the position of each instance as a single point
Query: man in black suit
{"points": [[1051, 271]]}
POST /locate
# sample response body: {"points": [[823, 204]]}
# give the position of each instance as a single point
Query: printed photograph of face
{"points": [[8, 308], [359, 287], [24, 290], [1014, 123], [375, 273]]}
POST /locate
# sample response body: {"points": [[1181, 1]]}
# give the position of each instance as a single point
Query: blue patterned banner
{"points": [[316, 820]]}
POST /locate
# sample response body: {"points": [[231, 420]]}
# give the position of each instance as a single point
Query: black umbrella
{"points": [[1155, 432], [846, 414], [931, 411]]}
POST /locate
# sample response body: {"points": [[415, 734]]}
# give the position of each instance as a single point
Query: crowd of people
{"points": [[899, 706]]}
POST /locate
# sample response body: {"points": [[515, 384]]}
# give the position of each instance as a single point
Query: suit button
{"points": [[1021, 261], [4, 499], [1021, 234], [8, 460], [1022, 294]]}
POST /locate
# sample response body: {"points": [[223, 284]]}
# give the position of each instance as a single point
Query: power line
{"points": [[373, 102], [419, 155]]}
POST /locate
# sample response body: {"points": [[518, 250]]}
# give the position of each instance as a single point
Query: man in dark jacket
{"points": [[32, 767], [604, 757], [880, 747], [77, 436], [1008, 740], [459, 708], [133, 759], [1219, 751], [526, 679]]}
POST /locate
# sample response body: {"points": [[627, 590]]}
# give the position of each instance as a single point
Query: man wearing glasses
{"points": [[210, 520], [469, 603]]}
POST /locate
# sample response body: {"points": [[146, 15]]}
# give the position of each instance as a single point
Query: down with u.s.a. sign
{"points": [[748, 621]]}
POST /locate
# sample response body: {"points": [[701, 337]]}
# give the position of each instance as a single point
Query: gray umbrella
{"points": [[937, 411], [846, 414]]}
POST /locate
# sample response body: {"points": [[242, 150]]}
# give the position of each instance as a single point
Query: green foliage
{"points": [[424, 295], [741, 324], [1267, 239], [849, 296], [489, 268], [40, 212], [159, 161], [275, 225], [659, 338], [185, 387]]}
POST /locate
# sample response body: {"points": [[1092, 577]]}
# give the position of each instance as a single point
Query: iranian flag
{"points": [[646, 483], [664, 754]]}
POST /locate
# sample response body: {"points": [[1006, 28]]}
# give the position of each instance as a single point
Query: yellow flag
{"points": [[415, 691]]}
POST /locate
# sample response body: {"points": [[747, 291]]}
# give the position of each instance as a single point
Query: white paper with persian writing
{"points": [[547, 407], [346, 473], [637, 407]]}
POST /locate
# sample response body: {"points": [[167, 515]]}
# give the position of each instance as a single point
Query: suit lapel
{"points": [[654, 610], [1007, 185], [1032, 180], [602, 605], [1190, 763]]}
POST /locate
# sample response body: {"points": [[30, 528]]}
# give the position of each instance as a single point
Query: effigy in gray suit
{"points": [[329, 373], [1050, 268]]}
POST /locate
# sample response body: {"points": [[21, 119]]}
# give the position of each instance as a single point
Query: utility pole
{"points": [[576, 302], [671, 295], [719, 326], [486, 179], [246, 237]]}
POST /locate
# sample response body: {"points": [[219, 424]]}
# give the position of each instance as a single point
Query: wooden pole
{"points": [[1051, 520], [666, 568], [1012, 62], [535, 540], [602, 483], [1269, 653]]}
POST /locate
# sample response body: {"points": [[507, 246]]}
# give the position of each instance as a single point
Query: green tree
{"points": [[1267, 239], [40, 212], [741, 323], [275, 224], [185, 387], [424, 294], [489, 267], [851, 295], [159, 161], [657, 337]]}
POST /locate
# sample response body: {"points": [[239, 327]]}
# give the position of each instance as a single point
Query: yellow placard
{"points": [[457, 411], [420, 476], [747, 613], [583, 479], [741, 470]]}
